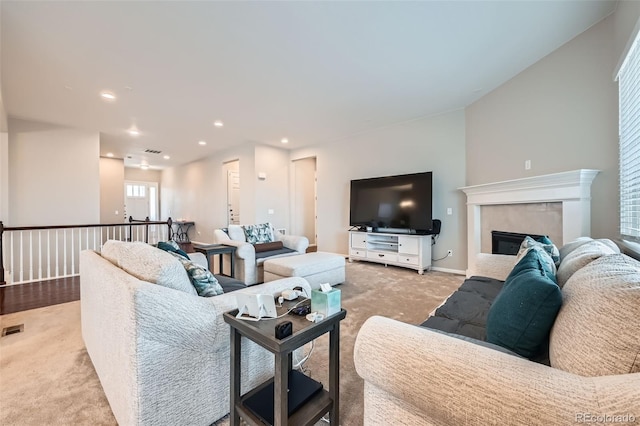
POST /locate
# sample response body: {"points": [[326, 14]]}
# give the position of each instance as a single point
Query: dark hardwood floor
{"points": [[22, 297]]}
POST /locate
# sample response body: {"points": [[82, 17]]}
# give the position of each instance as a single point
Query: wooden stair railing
{"points": [[56, 251]]}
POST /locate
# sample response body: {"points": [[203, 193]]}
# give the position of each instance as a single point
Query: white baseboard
{"points": [[448, 270]]}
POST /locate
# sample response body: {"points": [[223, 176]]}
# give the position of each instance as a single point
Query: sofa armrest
{"points": [[244, 250], [220, 237], [192, 322], [294, 242], [496, 266], [199, 259], [451, 381]]}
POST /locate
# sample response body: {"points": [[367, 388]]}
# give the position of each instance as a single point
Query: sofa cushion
{"points": [[229, 284], [260, 233], [465, 311], [524, 311], [149, 264], [236, 233], [571, 246], [580, 257], [597, 330], [264, 255], [203, 281]]}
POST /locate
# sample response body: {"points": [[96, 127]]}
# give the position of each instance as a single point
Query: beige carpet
{"points": [[46, 376]]}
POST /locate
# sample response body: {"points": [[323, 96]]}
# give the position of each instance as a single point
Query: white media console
{"points": [[408, 251]]}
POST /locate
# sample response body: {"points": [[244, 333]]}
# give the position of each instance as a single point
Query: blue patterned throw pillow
{"points": [[257, 234], [202, 279], [549, 252]]}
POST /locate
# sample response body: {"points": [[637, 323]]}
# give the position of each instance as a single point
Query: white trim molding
{"points": [[572, 189]]}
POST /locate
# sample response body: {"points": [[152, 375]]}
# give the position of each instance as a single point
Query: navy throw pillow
{"points": [[172, 247], [524, 311]]}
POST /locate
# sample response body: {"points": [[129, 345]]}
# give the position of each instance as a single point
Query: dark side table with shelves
{"points": [[304, 331], [217, 249]]}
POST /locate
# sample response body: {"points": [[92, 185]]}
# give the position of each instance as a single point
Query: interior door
{"points": [[233, 197], [140, 202]]}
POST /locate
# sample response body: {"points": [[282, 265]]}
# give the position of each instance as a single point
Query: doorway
{"points": [[304, 200], [233, 192], [140, 200]]}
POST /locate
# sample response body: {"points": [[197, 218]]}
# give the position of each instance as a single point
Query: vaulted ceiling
{"points": [[311, 72]]}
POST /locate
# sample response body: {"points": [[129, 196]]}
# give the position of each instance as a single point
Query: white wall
{"points": [[271, 193], [432, 144], [111, 190], [4, 177], [54, 174], [560, 113], [198, 191], [626, 26], [139, 175], [4, 152]]}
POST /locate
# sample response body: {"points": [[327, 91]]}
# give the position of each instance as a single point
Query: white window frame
{"points": [[629, 142]]}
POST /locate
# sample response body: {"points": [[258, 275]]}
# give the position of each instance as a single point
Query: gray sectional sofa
{"points": [[423, 376]]}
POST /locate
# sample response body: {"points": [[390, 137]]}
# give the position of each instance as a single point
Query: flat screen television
{"points": [[396, 204]]}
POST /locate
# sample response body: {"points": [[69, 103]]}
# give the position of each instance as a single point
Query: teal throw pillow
{"points": [[548, 252], [257, 234], [524, 311], [202, 279], [172, 247]]}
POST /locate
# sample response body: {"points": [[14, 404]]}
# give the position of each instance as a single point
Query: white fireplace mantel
{"points": [[572, 189]]}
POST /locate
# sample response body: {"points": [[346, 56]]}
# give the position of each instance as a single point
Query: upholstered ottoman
{"points": [[316, 268]]}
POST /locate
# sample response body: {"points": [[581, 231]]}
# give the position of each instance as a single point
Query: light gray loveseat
{"points": [[249, 266], [162, 354], [418, 376]]}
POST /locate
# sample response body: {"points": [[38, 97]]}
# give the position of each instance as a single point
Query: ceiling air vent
{"points": [[152, 151]]}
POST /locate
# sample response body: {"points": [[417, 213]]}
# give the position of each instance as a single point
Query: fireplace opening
{"points": [[508, 242]]}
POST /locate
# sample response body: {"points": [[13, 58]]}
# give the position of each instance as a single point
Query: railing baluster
{"points": [[73, 254], [64, 251], [13, 265], [21, 257], [57, 251], [40, 255], [48, 254], [31, 255]]}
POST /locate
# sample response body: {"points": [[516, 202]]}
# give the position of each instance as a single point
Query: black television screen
{"points": [[392, 203]]}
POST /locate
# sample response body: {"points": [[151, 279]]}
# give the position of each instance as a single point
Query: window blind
{"points": [[629, 128]]}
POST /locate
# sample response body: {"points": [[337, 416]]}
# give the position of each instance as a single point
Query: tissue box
{"points": [[326, 303]]}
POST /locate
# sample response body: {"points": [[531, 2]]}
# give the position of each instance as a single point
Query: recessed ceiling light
{"points": [[166, 157], [202, 142], [109, 154], [284, 140], [108, 96], [218, 123], [134, 132]]}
